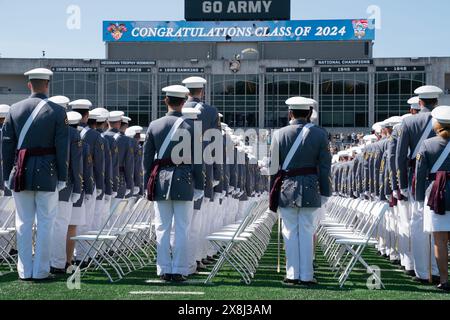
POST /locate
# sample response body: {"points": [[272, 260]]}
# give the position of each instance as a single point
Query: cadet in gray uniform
{"points": [[298, 186], [127, 187], [433, 166], [413, 132], [134, 133], [172, 183], [67, 196], [35, 154], [96, 143]]}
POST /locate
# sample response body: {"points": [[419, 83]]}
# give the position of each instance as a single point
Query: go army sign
{"points": [[206, 10]]}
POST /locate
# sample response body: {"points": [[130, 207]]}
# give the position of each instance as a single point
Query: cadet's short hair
{"points": [[83, 112], [39, 84], [175, 102], [92, 122], [195, 91], [430, 102], [302, 113]]}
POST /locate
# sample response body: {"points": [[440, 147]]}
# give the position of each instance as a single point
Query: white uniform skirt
{"points": [[433, 222], [78, 217]]}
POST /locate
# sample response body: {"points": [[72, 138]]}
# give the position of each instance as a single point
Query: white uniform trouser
{"points": [[89, 206], [42, 206], [180, 213], [58, 241], [298, 230], [194, 240], [420, 243], [404, 231], [97, 221]]}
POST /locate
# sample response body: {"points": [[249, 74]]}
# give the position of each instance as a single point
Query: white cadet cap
{"points": [[414, 102], [300, 103], [130, 132], [81, 104], [377, 127], [441, 114], [176, 91], [39, 73], [343, 153], [93, 115], [371, 137], [137, 129], [392, 121], [142, 138], [73, 117], [190, 113], [194, 82], [406, 116], [4, 110], [101, 115], [115, 116], [126, 119], [60, 100], [428, 92]]}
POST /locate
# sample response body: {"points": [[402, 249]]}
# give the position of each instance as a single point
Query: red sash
{"points": [[279, 177], [22, 156], [154, 170], [436, 200]]}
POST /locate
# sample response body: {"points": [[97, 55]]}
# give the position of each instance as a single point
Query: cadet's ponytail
{"points": [[441, 130]]}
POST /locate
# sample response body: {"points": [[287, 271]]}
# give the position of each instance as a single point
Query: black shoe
{"points": [[444, 287], [290, 282], [57, 271], [395, 262], [385, 256], [216, 257], [211, 259], [25, 279], [201, 266], [436, 280], [410, 273], [313, 282], [178, 278], [13, 252], [166, 277], [421, 281], [206, 262], [82, 265], [51, 277]]}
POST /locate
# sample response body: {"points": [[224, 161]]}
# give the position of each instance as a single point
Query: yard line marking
{"points": [[192, 293], [193, 281]]}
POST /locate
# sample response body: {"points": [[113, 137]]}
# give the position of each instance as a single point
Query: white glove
{"points": [[420, 206], [395, 194], [87, 197], [99, 192], [215, 183], [230, 188], [75, 197], [389, 198], [355, 194], [127, 192], [114, 194], [198, 194], [224, 193], [136, 190], [405, 193], [7, 184], [61, 185], [2, 193]]}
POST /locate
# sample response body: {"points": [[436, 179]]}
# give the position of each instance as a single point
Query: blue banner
{"points": [[238, 31]]}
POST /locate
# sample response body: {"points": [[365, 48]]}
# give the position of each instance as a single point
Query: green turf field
{"points": [[266, 285]]}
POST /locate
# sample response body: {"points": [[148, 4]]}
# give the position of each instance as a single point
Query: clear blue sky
{"points": [[409, 28]]}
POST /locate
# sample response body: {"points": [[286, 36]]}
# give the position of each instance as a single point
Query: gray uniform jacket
{"points": [[173, 182], [75, 173], [109, 136], [210, 120], [410, 133], [426, 158], [97, 148], [108, 166], [391, 165], [49, 130], [125, 163], [312, 153], [88, 173]]}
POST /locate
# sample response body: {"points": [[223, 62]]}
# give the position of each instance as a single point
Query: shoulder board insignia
{"points": [[419, 156], [66, 121]]}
